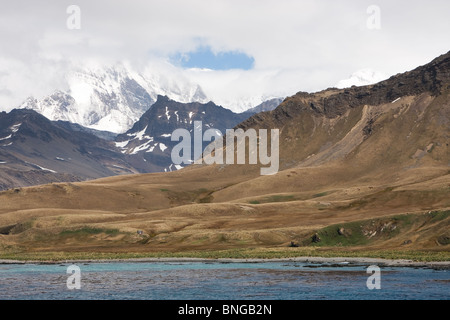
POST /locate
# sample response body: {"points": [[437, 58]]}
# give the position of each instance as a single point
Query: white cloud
{"points": [[361, 78], [19, 80], [241, 89]]}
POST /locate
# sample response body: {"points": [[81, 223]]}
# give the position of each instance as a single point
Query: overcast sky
{"points": [[281, 46]]}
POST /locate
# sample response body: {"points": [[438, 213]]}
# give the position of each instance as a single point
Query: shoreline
{"points": [[335, 260]]}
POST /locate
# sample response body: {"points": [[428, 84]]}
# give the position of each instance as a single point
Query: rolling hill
{"points": [[362, 169]]}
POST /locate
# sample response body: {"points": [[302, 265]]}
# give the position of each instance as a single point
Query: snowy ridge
{"points": [[112, 98]]}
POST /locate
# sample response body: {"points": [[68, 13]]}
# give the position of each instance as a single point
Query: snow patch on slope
{"points": [[162, 146], [5, 138], [15, 128]]}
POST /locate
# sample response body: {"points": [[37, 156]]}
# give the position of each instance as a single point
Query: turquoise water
{"points": [[221, 281]]}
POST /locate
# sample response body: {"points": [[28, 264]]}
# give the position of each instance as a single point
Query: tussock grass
{"points": [[88, 231], [274, 198], [255, 253], [370, 231]]}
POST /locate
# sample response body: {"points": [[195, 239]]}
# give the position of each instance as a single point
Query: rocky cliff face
{"points": [[405, 113], [433, 78]]}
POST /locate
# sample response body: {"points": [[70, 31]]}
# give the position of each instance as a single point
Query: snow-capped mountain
{"points": [[113, 98], [35, 150], [267, 105], [148, 143]]}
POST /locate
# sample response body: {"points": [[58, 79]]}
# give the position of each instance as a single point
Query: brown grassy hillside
{"points": [[360, 169]]}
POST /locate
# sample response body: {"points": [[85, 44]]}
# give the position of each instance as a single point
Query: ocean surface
{"points": [[220, 281]]}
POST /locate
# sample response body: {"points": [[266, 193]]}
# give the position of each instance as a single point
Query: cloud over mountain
{"points": [[296, 45]]}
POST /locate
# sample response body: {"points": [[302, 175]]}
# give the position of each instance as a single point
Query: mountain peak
{"points": [[162, 98], [360, 78], [149, 140], [111, 98]]}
